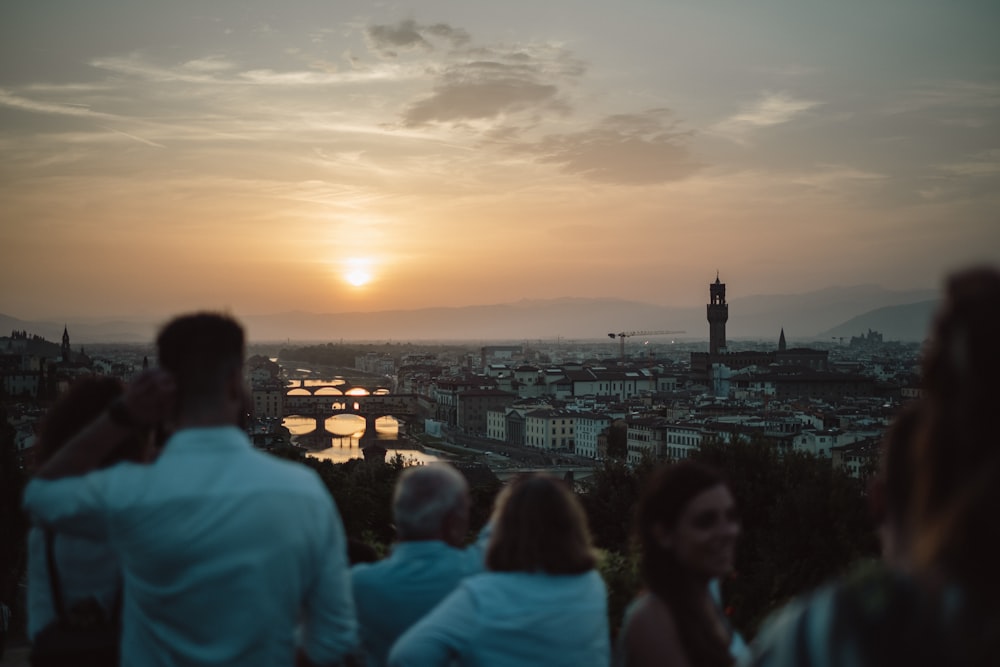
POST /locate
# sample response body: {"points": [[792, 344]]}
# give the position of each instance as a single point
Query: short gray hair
{"points": [[424, 496]]}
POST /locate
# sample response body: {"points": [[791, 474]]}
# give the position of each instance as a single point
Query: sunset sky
{"points": [[265, 156]]}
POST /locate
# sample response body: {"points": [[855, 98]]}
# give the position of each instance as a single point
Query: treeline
{"points": [[804, 521], [343, 355]]}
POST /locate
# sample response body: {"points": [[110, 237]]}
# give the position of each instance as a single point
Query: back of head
{"points": [[201, 351], [539, 526], [958, 478], [82, 403], [891, 492], [896, 467], [425, 497]]}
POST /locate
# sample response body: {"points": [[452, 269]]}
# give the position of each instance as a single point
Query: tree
{"points": [[13, 523], [804, 522]]}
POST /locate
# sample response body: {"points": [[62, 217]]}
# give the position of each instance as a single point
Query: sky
{"points": [[259, 156]]}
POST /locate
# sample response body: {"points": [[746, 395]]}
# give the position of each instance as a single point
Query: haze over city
{"points": [[353, 157]]}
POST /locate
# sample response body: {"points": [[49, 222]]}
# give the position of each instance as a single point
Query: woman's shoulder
{"points": [[872, 615], [649, 614]]}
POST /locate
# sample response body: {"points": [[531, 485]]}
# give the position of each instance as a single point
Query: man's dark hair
{"points": [[85, 399], [200, 351]]}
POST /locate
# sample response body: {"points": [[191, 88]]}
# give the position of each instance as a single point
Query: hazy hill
{"points": [[909, 322], [803, 316], [83, 332], [814, 314]]}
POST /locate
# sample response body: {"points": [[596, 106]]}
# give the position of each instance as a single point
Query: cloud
{"points": [[490, 82], [15, 101], [210, 64], [947, 96], [769, 110], [626, 149], [481, 90], [408, 35]]}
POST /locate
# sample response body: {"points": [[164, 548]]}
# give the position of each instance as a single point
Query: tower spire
{"points": [[67, 352]]}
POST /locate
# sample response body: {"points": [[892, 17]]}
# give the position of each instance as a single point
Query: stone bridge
{"points": [[343, 387], [404, 407]]}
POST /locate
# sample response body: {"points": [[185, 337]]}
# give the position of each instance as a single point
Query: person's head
{"points": [[82, 403], [204, 352], [891, 492], [539, 526], [958, 453], [687, 526], [431, 502], [687, 522]]}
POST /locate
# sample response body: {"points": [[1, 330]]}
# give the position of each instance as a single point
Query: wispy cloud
{"points": [[134, 137], [769, 110], [624, 149], [948, 96], [14, 101]]}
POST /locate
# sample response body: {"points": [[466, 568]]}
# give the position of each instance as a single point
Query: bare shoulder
{"points": [[651, 634]]}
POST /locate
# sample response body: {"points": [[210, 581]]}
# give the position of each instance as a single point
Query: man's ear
{"points": [[663, 537]]}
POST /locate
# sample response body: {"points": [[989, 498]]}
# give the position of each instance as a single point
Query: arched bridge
{"points": [[404, 407], [342, 388]]}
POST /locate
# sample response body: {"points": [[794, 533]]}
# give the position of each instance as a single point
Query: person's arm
{"points": [[330, 628], [652, 638], [439, 637], [146, 401]]}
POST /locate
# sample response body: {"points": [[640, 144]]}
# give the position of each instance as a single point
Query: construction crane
{"points": [[622, 335]]}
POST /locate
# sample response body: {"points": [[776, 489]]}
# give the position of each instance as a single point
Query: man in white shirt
{"points": [[228, 553]]}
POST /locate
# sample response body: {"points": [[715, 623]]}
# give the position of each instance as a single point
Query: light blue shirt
{"points": [[501, 619], [393, 594], [224, 550]]}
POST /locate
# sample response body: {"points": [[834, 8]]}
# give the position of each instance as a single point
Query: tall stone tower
{"points": [[718, 314]]}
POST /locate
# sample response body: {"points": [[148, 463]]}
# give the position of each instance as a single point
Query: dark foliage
{"points": [[363, 492], [13, 523], [804, 521]]}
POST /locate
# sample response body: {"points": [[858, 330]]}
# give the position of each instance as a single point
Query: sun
{"points": [[357, 271], [358, 277]]}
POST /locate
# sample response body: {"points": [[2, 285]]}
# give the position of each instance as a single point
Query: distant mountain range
{"points": [[832, 312], [909, 322]]}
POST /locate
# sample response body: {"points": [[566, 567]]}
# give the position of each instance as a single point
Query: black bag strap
{"points": [[54, 584]]}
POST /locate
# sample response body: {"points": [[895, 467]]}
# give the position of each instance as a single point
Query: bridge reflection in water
{"points": [[343, 438]]}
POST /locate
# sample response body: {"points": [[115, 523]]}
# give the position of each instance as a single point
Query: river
{"points": [[342, 442]]}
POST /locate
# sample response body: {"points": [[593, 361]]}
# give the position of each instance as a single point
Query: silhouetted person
{"points": [[944, 609], [431, 511], [225, 549], [89, 572], [541, 602], [687, 528]]}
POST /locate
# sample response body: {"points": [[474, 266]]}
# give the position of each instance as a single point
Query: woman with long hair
{"points": [[936, 601], [541, 601], [89, 574], [686, 528]]}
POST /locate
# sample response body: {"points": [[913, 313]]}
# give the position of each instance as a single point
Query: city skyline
{"points": [[360, 157]]}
